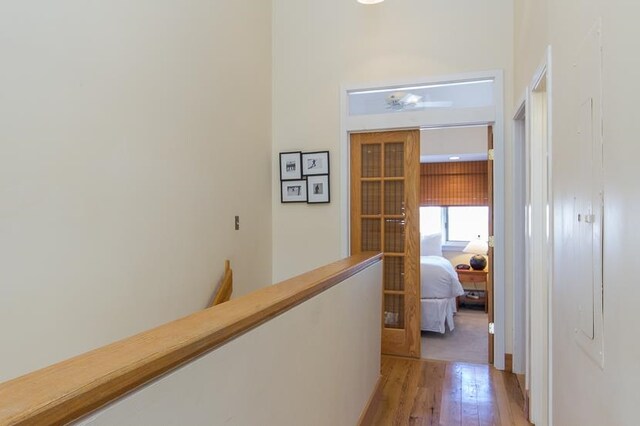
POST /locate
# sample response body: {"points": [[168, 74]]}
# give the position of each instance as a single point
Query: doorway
{"points": [[455, 200], [384, 106], [422, 292]]}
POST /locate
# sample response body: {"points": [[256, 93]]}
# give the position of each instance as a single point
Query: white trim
{"points": [[518, 278], [541, 237], [454, 245], [345, 156], [550, 236], [444, 79], [521, 111], [434, 118], [499, 213], [422, 86]]}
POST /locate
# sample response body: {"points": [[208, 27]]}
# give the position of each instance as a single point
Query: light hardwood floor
{"points": [[426, 392]]}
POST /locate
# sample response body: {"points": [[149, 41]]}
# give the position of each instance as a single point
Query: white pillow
{"points": [[431, 245]]}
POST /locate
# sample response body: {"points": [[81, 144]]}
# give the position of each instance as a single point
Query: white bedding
{"points": [[435, 313], [439, 287], [438, 279]]}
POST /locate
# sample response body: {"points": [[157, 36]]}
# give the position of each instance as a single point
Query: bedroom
{"points": [[384, 197], [454, 219]]}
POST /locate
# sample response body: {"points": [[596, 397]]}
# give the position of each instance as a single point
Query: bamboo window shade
{"points": [[454, 184]]}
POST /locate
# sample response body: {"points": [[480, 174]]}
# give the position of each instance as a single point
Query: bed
{"points": [[439, 287]]}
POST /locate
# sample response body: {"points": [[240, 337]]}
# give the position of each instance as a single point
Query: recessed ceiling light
{"points": [[454, 158], [370, 1]]}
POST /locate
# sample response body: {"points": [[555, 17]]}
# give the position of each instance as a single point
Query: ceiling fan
{"points": [[398, 101]]}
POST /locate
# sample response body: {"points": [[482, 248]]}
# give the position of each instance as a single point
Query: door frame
{"points": [[520, 265], [540, 236], [491, 115]]}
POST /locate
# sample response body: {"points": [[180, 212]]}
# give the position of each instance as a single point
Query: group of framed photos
{"points": [[304, 177]]}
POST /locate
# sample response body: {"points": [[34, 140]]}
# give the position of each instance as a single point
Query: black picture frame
{"points": [[290, 165], [315, 163], [318, 189], [293, 191]]}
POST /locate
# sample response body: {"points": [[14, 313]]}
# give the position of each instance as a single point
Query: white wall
{"points": [[131, 133], [530, 40], [583, 393], [319, 45], [316, 364], [456, 257]]}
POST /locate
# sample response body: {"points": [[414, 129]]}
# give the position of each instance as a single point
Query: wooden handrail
{"points": [[73, 388], [224, 290]]}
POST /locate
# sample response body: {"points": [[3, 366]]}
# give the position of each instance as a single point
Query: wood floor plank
{"points": [[521, 383], [516, 399], [408, 388], [434, 382], [469, 395], [452, 396], [419, 414], [488, 412], [430, 393], [502, 399], [391, 392]]}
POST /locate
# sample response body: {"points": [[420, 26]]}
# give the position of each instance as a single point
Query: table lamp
{"points": [[479, 248]]}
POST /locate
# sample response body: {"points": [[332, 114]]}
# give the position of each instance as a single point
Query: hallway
{"points": [[425, 392]]}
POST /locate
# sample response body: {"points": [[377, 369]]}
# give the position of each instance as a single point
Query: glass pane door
{"points": [[380, 222]]}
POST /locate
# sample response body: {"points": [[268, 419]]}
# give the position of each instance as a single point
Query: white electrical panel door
{"points": [[583, 224], [588, 199]]}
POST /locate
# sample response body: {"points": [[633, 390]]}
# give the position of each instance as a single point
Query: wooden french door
{"points": [[385, 178]]}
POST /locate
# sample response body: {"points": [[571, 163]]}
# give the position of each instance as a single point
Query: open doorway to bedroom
{"points": [[454, 101], [455, 217]]}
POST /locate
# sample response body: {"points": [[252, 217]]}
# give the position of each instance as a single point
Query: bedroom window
{"points": [[457, 224], [466, 223], [431, 220]]}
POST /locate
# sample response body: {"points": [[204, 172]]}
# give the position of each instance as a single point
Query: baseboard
{"points": [[366, 418], [508, 363]]}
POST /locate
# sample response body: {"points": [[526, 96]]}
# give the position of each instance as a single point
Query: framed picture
{"points": [[318, 189], [315, 163], [290, 165], [293, 191]]}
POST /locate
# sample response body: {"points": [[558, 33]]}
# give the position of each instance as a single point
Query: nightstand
{"points": [[473, 280]]}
